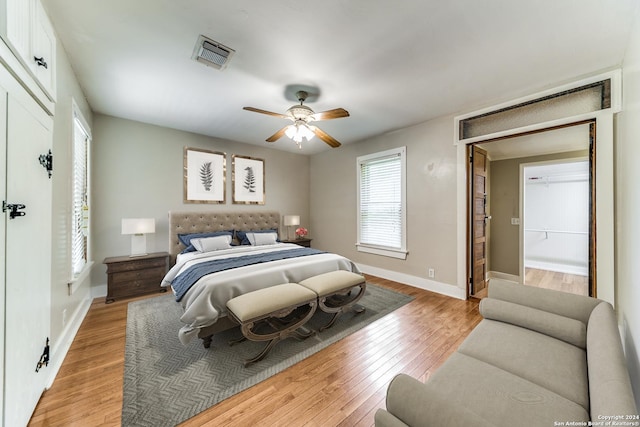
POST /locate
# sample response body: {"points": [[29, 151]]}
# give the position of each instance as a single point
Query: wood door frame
{"points": [[592, 200]]}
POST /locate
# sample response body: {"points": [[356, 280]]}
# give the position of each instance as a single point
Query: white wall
{"points": [[71, 307], [431, 205], [628, 209], [138, 172]]}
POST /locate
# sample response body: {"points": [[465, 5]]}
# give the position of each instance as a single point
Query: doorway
{"points": [[504, 229], [555, 224]]}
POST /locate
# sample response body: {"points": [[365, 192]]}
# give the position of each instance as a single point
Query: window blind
{"points": [[381, 210], [79, 199]]}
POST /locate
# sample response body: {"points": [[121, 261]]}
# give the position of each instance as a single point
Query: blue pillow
{"points": [[185, 239], [242, 235]]}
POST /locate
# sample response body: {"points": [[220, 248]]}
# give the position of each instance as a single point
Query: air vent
{"points": [[212, 53]]}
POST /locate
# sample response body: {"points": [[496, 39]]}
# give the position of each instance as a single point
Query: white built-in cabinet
{"points": [[27, 105], [26, 134], [26, 29]]}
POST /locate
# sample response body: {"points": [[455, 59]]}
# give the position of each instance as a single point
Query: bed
{"points": [[203, 294]]}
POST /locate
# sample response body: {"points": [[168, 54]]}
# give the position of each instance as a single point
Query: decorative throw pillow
{"points": [[242, 235], [260, 239], [210, 244], [185, 239]]}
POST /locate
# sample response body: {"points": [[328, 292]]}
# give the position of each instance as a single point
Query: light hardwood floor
{"points": [[342, 385], [559, 281], [564, 282]]}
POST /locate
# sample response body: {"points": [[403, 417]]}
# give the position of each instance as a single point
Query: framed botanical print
{"points": [[204, 176], [248, 180]]}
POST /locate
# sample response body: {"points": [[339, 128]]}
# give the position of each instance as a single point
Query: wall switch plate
{"points": [[515, 221]]}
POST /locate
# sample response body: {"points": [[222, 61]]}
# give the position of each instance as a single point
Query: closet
{"points": [[27, 96]]}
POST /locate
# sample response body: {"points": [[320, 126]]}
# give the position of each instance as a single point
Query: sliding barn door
{"points": [[28, 256], [478, 220]]}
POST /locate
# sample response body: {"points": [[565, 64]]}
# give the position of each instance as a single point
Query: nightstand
{"points": [[133, 276], [302, 242]]}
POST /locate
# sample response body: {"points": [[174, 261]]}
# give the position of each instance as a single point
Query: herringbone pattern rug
{"points": [[166, 383]]}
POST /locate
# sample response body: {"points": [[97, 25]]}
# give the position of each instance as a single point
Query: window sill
{"points": [[378, 250], [75, 283]]}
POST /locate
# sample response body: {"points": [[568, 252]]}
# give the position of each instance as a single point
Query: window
{"points": [[382, 203], [80, 194]]}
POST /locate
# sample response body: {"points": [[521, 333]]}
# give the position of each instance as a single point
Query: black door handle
{"points": [[13, 209], [40, 61]]}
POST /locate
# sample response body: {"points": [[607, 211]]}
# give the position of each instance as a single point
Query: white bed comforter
{"points": [[206, 300]]}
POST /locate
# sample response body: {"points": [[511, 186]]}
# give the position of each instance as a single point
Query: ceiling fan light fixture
{"points": [[300, 112], [302, 116], [306, 132], [299, 131]]}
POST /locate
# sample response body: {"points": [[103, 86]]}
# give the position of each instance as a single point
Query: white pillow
{"points": [[260, 239], [209, 244]]}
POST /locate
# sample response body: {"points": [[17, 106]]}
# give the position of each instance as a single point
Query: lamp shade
{"points": [[138, 225], [291, 220]]}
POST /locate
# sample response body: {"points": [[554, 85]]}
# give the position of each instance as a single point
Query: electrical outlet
{"points": [[64, 317], [515, 221], [432, 273]]}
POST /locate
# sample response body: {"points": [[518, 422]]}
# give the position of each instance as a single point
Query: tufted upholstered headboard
{"points": [[204, 222]]}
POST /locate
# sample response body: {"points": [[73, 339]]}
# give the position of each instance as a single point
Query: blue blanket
{"points": [[183, 282]]}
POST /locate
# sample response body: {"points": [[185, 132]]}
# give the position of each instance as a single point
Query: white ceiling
{"points": [[391, 64]]}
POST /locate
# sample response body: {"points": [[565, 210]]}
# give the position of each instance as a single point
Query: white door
{"points": [[28, 259]]}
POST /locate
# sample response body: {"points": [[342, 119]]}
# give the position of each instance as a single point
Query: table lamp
{"points": [[291, 221], [138, 228]]}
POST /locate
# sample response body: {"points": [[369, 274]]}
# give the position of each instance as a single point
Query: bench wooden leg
{"points": [[338, 304], [282, 328], [258, 357]]}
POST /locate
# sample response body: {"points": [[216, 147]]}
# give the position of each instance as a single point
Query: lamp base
{"points": [[138, 245]]}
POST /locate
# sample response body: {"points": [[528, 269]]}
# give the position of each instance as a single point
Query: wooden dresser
{"points": [[133, 276]]}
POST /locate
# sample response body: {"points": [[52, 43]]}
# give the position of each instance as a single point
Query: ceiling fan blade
{"points": [[276, 136], [336, 113], [270, 113], [325, 137]]}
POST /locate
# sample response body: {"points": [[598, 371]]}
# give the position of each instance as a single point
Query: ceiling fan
{"points": [[302, 116]]}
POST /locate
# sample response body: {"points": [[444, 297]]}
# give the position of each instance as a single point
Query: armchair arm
{"points": [[416, 404], [576, 307]]}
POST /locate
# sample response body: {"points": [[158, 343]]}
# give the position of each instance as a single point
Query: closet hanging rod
{"points": [[546, 232]]}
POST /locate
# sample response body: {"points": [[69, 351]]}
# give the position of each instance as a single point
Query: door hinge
{"points": [[13, 209], [46, 160], [44, 359]]}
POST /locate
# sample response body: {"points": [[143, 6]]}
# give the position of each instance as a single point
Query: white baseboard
{"points": [[503, 276], [99, 291], [560, 268], [415, 281], [60, 349]]}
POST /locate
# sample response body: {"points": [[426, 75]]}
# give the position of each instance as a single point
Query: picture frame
{"points": [[205, 174], [248, 175]]}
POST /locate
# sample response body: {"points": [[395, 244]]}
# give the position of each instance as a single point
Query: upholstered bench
{"points": [[271, 314], [334, 292]]}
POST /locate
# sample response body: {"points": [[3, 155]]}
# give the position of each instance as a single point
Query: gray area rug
{"points": [[166, 383]]}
